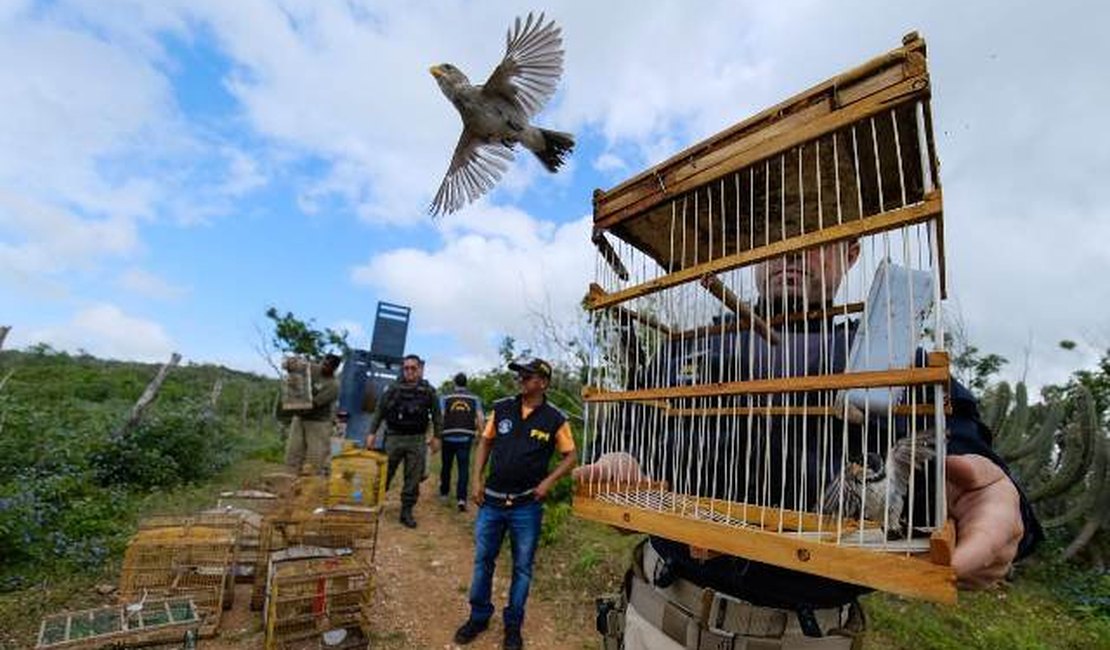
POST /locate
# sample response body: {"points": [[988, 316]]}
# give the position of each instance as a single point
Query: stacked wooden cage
{"points": [[316, 592], [244, 524], [357, 480], [353, 533], [139, 624], [190, 561], [767, 328]]}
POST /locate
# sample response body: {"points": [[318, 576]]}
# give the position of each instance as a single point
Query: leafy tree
{"points": [[295, 336]]}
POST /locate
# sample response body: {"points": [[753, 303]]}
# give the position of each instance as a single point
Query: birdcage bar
{"points": [[181, 561], [696, 368]]}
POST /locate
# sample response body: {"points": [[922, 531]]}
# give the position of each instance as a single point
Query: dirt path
{"points": [[424, 575], [421, 590]]}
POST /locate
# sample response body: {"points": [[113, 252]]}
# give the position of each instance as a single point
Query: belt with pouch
{"points": [[509, 499], [700, 618]]}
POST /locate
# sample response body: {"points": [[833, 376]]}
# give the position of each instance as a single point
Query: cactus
{"points": [[995, 405], [1015, 422], [1079, 441], [1098, 485], [1098, 512], [1060, 451]]}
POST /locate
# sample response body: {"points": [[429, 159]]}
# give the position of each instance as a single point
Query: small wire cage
{"points": [[154, 621], [181, 561], [769, 370]]}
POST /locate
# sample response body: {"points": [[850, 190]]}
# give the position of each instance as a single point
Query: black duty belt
{"points": [[509, 499], [699, 618]]}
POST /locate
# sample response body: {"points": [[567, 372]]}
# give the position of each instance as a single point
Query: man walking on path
{"points": [[308, 446], [518, 442], [462, 420], [407, 407]]}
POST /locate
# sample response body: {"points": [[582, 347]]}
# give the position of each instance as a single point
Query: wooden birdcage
{"points": [[243, 523], [259, 501], [129, 625], [768, 340], [352, 532], [314, 594], [357, 479], [296, 384], [182, 561]]}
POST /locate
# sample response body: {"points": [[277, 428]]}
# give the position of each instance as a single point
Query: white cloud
{"points": [[495, 267], [150, 285], [356, 334], [609, 162], [334, 101], [43, 239], [243, 174], [104, 331]]}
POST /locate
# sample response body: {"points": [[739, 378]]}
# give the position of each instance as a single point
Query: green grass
{"points": [[1021, 615], [1048, 606]]}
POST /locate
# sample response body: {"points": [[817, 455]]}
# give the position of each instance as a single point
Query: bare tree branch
{"points": [[147, 397]]}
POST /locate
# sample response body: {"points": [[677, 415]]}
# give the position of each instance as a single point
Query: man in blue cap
{"points": [[518, 442]]}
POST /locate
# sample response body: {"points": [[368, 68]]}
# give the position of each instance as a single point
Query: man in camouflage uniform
{"points": [[306, 450], [407, 407]]}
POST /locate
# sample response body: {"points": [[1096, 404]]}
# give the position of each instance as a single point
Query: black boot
{"points": [[469, 631], [407, 519], [513, 640]]}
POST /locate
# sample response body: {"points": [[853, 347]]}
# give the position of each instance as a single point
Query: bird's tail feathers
{"points": [[556, 146]]}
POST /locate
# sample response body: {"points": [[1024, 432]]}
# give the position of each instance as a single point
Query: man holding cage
{"points": [[678, 596]]}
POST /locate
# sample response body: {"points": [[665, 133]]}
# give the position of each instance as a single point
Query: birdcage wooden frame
{"points": [[244, 524], [873, 121], [159, 621], [307, 596], [182, 561], [355, 532], [357, 479]]}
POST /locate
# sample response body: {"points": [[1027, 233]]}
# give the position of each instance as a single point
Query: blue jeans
{"points": [[450, 452], [523, 525]]}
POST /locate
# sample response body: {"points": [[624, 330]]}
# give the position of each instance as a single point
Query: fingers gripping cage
{"points": [[768, 342]]}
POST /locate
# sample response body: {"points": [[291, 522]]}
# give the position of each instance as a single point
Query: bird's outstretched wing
{"points": [[531, 67], [475, 168], [909, 453]]}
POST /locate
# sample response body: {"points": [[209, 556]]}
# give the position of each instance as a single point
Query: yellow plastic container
{"points": [[357, 478]]}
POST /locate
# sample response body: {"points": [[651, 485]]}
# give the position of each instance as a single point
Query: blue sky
{"points": [[170, 169]]}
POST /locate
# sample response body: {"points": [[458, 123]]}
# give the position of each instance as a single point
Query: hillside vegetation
{"points": [[72, 490], [71, 484]]}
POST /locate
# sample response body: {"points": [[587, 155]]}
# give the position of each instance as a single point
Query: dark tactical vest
{"points": [[409, 409], [459, 412], [522, 447]]}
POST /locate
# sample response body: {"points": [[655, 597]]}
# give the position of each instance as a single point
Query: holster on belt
{"points": [[700, 618]]}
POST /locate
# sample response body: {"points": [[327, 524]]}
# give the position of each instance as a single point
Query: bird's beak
{"points": [[436, 71]]}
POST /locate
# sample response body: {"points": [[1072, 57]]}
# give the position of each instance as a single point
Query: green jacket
{"points": [[325, 391]]}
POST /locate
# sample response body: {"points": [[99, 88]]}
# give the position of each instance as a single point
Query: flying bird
{"points": [[496, 114], [878, 488]]}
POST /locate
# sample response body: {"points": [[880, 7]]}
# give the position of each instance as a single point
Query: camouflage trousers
{"points": [[410, 450], [308, 445]]}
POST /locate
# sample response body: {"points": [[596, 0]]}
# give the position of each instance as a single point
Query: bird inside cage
{"points": [[765, 426], [769, 379]]}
